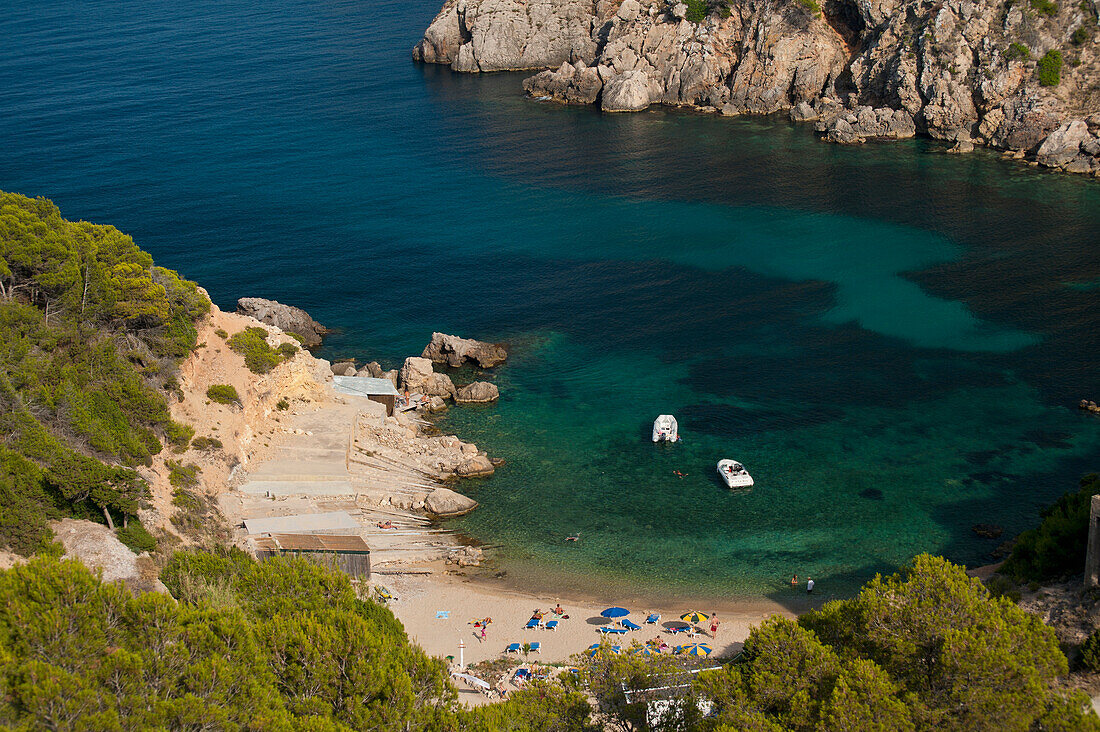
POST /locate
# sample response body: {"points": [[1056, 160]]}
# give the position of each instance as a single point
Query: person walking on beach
{"points": [[809, 586], [713, 625], [482, 638]]}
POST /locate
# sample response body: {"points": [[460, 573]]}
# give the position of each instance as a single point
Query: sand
{"points": [[421, 598]]}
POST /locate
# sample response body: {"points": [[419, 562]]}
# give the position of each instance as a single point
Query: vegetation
{"points": [[1057, 547], [926, 649], [137, 537], [279, 645], [1018, 51], [697, 10], [1090, 652], [206, 443], [282, 405], [258, 354], [811, 6], [1048, 8], [220, 332], [1050, 68], [1080, 36], [90, 332], [223, 394], [182, 476]]}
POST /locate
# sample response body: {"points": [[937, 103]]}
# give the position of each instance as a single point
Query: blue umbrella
{"points": [[645, 651], [591, 651], [615, 612]]}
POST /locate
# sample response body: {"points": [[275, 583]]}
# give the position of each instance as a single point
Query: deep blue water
{"points": [[892, 339]]}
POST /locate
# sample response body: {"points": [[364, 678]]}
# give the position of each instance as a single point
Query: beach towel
{"points": [[442, 614]]}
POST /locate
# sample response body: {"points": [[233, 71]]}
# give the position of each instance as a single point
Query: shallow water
{"points": [[891, 339]]}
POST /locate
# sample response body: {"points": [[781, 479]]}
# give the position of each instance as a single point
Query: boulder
{"points": [[475, 466], [391, 375], [344, 368], [415, 373], [679, 11], [478, 392], [285, 317], [436, 404], [627, 92], [445, 502], [1063, 145], [455, 351], [372, 369], [987, 531]]}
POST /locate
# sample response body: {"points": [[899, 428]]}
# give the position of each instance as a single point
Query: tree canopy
{"points": [[90, 334]]}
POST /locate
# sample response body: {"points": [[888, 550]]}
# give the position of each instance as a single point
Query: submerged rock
{"points": [[285, 317], [476, 466], [477, 393]]}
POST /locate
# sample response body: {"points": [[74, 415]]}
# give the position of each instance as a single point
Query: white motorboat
{"points": [[665, 428], [733, 474]]}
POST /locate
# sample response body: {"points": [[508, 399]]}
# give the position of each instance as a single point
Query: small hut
{"points": [[349, 553], [377, 390]]}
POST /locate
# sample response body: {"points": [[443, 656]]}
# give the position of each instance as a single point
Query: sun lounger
{"points": [[512, 648], [629, 625], [678, 629], [535, 647], [551, 625], [533, 623], [617, 631], [522, 673], [653, 618]]}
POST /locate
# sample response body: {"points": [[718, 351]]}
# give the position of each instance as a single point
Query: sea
{"points": [[893, 340]]}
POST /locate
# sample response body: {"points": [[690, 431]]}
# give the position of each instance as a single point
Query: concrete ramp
{"points": [[333, 522]]}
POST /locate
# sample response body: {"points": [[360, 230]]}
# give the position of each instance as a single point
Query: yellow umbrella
{"points": [[694, 617]]}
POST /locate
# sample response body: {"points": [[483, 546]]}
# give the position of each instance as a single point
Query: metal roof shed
{"points": [[349, 553], [377, 390]]}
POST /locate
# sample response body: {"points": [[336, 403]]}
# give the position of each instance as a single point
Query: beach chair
{"points": [[522, 674], [677, 629], [551, 625], [628, 625], [535, 647], [513, 648], [653, 619], [611, 631], [533, 623]]}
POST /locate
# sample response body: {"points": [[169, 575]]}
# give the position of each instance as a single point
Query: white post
{"points": [[462, 654]]}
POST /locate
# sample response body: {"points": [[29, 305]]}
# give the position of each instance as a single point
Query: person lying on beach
{"points": [[386, 525]]}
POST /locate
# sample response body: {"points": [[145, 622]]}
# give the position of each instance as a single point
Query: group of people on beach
{"points": [[809, 584]]}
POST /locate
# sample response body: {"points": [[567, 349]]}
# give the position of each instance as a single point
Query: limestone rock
{"points": [[445, 502], [372, 369], [679, 11], [627, 92], [476, 466], [569, 84], [477, 392], [1063, 145], [285, 317], [391, 375], [415, 373], [344, 368], [455, 351]]}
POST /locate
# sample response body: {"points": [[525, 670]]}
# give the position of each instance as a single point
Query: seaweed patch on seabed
{"points": [[871, 494]]}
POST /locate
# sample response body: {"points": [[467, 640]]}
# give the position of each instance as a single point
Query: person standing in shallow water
{"points": [[794, 581], [809, 586]]}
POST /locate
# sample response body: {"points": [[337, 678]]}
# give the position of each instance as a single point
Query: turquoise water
{"points": [[893, 340]]}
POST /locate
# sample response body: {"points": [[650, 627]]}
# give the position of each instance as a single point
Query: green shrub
{"points": [[223, 394], [136, 537], [1057, 547], [811, 6], [1080, 36], [1050, 68], [1045, 7], [287, 350], [179, 434], [182, 476], [1001, 586], [282, 405], [220, 332], [1090, 651], [206, 443], [1018, 51], [252, 343], [697, 11]]}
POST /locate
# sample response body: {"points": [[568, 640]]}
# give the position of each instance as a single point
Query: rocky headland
{"points": [[1018, 75]]}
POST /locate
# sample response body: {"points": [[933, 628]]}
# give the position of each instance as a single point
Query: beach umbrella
{"points": [[591, 650], [645, 651], [696, 649], [694, 617], [615, 612]]}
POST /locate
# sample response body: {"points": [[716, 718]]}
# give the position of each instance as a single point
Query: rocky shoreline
{"points": [[1023, 77]]}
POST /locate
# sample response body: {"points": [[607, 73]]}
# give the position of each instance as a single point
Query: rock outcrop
{"points": [[963, 71], [285, 317], [478, 392], [455, 351], [417, 375], [445, 502]]}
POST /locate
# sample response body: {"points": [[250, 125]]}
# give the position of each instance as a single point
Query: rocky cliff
{"points": [[1019, 75]]}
